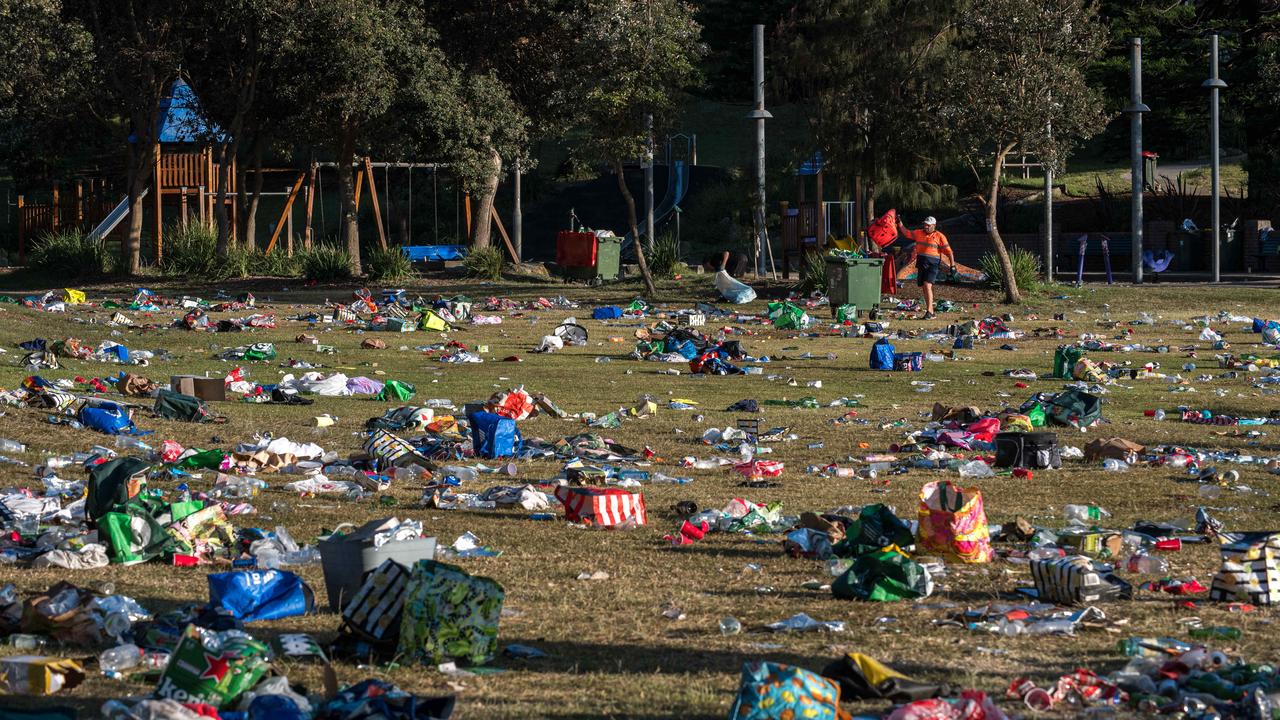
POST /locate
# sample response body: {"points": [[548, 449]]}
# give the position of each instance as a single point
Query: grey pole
{"points": [[1215, 85], [759, 114], [1135, 111], [1048, 222], [517, 215], [648, 184]]}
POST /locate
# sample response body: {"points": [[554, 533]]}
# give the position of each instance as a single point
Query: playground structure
{"points": [[677, 182], [184, 186], [807, 223]]}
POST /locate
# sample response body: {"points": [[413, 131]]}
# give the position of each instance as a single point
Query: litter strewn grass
{"points": [[613, 654]]}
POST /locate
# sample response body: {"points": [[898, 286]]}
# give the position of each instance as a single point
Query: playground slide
{"points": [[113, 218], [677, 187]]}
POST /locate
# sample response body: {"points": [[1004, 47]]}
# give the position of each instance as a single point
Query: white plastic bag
{"points": [[732, 290]]}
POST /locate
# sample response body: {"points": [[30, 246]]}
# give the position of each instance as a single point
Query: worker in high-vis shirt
{"points": [[930, 247]]}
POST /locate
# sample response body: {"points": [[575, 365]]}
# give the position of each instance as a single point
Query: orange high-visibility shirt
{"points": [[931, 244]]}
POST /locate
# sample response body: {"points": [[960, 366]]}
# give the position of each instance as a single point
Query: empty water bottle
{"points": [[23, 641], [268, 557], [439, 403], [1143, 564], [1082, 514], [464, 474], [120, 658], [1114, 465], [11, 446], [1046, 553], [730, 625], [130, 442], [603, 359]]}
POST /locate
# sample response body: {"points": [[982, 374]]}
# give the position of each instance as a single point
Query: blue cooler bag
{"points": [[494, 436], [882, 355], [261, 594]]}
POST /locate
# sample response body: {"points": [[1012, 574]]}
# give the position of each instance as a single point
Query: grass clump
{"points": [[388, 265], [664, 258], [484, 263], [813, 273], [1026, 269], [325, 263], [71, 253]]}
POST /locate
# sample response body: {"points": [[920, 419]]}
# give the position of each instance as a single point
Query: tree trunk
{"points": [[350, 231], [1011, 294], [142, 161], [481, 228], [220, 216], [635, 228], [248, 218]]}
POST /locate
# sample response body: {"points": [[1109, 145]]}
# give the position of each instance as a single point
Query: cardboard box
{"points": [[209, 389], [37, 675]]}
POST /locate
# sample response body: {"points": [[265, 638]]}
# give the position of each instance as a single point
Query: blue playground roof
{"points": [[812, 166], [182, 119]]}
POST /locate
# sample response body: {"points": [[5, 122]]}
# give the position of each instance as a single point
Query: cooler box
{"points": [[347, 558]]}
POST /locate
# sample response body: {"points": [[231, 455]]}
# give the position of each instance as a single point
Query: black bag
{"points": [[1075, 408], [1037, 450], [185, 408], [114, 483]]}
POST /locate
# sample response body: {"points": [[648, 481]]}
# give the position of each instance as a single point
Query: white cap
{"points": [[931, 220]]}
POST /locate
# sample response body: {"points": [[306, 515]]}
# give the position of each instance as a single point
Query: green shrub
{"points": [[325, 263], [664, 259], [484, 263], [813, 273], [1026, 269], [192, 252], [273, 264], [389, 265], [70, 253]]}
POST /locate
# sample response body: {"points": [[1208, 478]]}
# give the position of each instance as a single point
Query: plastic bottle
{"points": [[1210, 492], [1081, 514], [839, 566], [1143, 564], [309, 555], [663, 479], [1046, 553], [464, 474], [24, 641], [1217, 632], [268, 558], [604, 359], [976, 469], [706, 465], [439, 403], [11, 446], [730, 625], [130, 442], [1052, 627], [636, 475], [120, 658], [1114, 465], [8, 594]]}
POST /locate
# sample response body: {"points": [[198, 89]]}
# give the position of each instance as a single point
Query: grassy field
{"points": [[612, 651]]}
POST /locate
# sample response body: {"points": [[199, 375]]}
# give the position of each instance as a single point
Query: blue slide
{"points": [[677, 187]]}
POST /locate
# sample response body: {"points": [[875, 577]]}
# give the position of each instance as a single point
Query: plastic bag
{"points": [[732, 290], [883, 576], [261, 594], [772, 690], [786, 316], [953, 522], [449, 614]]}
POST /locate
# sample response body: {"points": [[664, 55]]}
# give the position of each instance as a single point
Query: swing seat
{"points": [[433, 253], [1155, 264]]}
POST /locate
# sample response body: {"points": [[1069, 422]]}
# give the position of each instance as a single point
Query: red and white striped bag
{"points": [[606, 507]]}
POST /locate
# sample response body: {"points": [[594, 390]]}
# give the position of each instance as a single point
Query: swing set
{"points": [[309, 184]]}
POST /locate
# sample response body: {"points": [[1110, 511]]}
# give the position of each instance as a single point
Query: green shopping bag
{"points": [[786, 316], [396, 390], [1065, 359], [883, 576], [206, 459], [876, 527], [449, 614], [134, 533], [1037, 416]]}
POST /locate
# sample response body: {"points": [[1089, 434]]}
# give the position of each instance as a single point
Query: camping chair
{"points": [[1083, 247], [1157, 265]]}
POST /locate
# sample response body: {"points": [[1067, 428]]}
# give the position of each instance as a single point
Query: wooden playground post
{"points": [[288, 205], [373, 198], [183, 201], [79, 209], [288, 228], [22, 235], [54, 208], [311, 194], [466, 204], [515, 257], [359, 186], [158, 222]]}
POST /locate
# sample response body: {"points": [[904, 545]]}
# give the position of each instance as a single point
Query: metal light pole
{"points": [[1135, 111], [648, 183], [517, 215], [1215, 84], [1048, 212], [759, 114]]}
